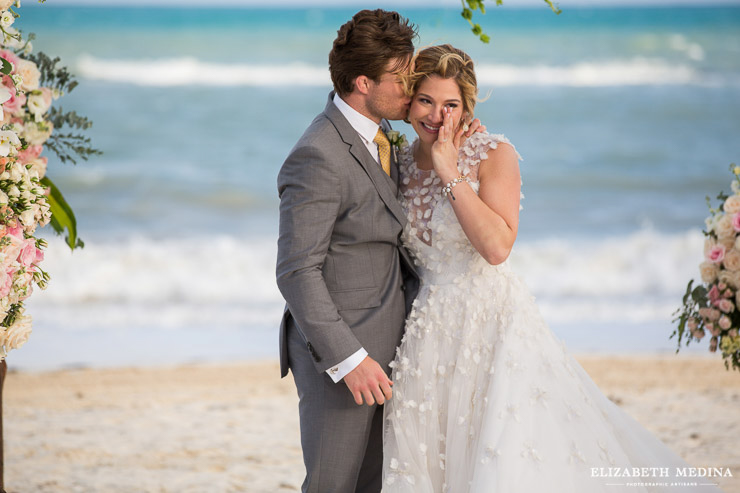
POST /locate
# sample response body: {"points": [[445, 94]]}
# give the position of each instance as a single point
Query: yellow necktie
{"points": [[384, 151]]}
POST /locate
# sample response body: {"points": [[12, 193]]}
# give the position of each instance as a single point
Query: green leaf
{"points": [[62, 216], [477, 29], [467, 14], [485, 38], [6, 68]]}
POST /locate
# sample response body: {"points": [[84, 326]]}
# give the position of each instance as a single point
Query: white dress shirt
{"points": [[367, 129]]}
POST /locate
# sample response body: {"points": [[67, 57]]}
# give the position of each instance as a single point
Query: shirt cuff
{"points": [[337, 373]]}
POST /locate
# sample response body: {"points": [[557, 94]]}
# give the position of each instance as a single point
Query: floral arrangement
{"points": [[711, 308], [397, 139], [28, 199]]}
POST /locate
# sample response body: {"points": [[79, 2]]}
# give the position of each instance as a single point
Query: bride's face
{"points": [[433, 95]]}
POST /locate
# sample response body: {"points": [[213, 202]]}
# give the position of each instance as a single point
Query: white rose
{"points": [[11, 39], [9, 142], [3, 198], [38, 167], [38, 104], [708, 245], [13, 192], [30, 75], [724, 227], [729, 278], [6, 4], [732, 260], [711, 222], [37, 133], [709, 272], [732, 204], [17, 171], [28, 218], [17, 334], [728, 242], [6, 19]]}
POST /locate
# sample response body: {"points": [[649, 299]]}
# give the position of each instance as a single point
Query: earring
{"points": [[465, 127]]}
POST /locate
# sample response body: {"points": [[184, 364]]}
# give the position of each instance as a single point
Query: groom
{"points": [[347, 281]]}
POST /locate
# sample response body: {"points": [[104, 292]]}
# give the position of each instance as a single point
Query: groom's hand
{"points": [[370, 382]]}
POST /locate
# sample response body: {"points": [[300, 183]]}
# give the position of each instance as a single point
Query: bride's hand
{"points": [[444, 150]]}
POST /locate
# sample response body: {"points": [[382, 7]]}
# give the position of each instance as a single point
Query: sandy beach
{"points": [[234, 427]]}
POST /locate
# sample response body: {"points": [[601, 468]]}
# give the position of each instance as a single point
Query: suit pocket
{"points": [[355, 299]]}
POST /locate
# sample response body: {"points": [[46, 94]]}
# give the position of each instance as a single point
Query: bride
{"points": [[486, 399]]}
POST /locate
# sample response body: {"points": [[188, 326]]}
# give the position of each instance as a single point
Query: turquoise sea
{"points": [[626, 118]]}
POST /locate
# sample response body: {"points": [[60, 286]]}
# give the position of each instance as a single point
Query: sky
{"points": [[384, 4]]}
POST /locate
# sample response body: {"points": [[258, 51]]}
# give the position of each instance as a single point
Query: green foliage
{"points": [[62, 216], [67, 146], [468, 6], [52, 76], [6, 67]]}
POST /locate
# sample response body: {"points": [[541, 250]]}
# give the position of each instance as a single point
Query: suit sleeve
{"points": [[310, 198]]}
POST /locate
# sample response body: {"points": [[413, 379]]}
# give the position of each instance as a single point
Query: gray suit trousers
{"points": [[347, 456]]}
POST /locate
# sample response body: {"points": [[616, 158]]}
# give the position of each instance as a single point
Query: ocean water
{"points": [[626, 118]]}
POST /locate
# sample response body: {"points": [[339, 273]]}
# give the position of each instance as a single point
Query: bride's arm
{"points": [[490, 218]]}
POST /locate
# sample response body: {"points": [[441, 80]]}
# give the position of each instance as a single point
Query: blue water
{"points": [[626, 118]]}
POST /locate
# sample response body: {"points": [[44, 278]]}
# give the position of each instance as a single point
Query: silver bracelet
{"points": [[448, 187]]}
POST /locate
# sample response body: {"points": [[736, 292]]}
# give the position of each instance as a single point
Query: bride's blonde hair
{"points": [[447, 62]]}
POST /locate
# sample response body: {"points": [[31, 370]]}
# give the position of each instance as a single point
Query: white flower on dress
{"points": [[575, 454]]}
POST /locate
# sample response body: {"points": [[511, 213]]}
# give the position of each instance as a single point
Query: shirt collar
{"points": [[364, 126]]}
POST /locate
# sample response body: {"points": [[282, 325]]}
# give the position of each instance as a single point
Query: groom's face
{"points": [[386, 98]]}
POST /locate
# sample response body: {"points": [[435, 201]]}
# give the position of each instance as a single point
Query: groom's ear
{"points": [[362, 84]]}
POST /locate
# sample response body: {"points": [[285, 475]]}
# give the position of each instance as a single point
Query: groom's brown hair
{"points": [[366, 44]]}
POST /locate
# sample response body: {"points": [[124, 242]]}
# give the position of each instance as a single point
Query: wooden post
{"points": [[3, 371]]}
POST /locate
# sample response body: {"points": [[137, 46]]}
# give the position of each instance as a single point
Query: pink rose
{"points": [[16, 230], [17, 100], [29, 154], [692, 324], [6, 282], [728, 293], [726, 305], [716, 254], [713, 295], [30, 255], [10, 56], [698, 334], [725, 322], [706, 314]]}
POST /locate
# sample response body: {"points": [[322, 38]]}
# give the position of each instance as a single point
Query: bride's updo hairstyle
{"points": [[447, 62]]}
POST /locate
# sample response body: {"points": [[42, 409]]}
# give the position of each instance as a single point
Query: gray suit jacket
{"points": [[346, 279]]}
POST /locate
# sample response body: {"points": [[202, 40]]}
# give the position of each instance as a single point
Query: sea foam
{"points": [[188, 71], [230, 282]]}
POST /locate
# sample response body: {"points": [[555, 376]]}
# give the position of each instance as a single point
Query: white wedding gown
{"points": [[485, 398]]}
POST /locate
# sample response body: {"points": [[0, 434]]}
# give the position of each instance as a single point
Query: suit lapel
{"points": [[385, 185]]}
